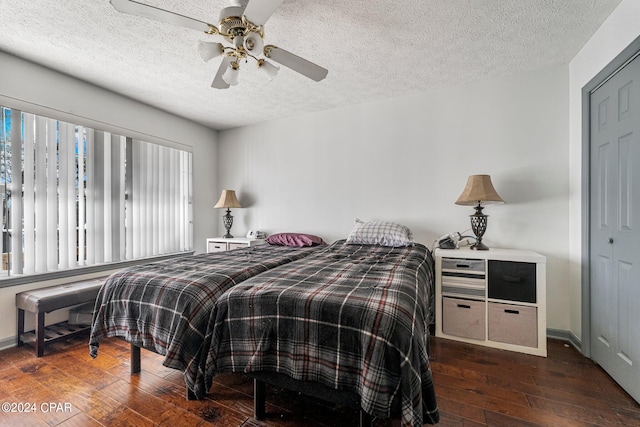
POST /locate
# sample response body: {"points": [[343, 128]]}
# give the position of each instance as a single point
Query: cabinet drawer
{"points": [[462, 265], [237, 245], [513, 324], [216, 247], [463, 287], [463, 318], [463, 278], [512, 281]]}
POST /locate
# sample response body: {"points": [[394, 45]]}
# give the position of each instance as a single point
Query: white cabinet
{"points": [[495, 298], [220, 244]]}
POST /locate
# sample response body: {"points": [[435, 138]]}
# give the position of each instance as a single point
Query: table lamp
{"points": [[228, 200], [479, 192]]}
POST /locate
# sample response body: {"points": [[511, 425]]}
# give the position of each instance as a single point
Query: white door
{"points": [[615, 224]]}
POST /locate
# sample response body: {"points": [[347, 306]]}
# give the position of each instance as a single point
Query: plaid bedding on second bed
{"points": [[351, 317], [166, 306]]}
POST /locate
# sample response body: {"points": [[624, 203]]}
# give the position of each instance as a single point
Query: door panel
{"points": [[602, 201], [614, 240], [602, 312], [625, 167], [625, 347]]}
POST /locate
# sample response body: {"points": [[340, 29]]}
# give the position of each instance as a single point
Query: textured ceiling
{"points": [[373, 49]]}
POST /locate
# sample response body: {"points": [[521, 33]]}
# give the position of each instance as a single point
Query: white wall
{"points": [[615, 34], [42, 91], [407, 160]]}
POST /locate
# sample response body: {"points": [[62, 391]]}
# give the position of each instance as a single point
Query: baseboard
{"points": [[8, 343], [567, 336]]}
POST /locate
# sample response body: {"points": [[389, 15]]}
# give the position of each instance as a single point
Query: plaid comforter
{"points": [[167, 306], [351, 317]]}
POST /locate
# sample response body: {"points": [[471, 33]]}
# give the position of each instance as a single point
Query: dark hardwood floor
{"points": [[475, 386]]}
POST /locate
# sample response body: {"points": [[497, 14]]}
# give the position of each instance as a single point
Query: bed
{"points": [[350, 323], [349, 317], [166, 306]]}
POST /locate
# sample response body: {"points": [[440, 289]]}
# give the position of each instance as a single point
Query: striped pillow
{"points": [[380, 233]]}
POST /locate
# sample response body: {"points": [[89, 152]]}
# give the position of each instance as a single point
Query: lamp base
{"points": [[479, 246], [228, 222], [479, 226]]}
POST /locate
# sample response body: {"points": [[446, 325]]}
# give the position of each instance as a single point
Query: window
{"points": [[73, 196]]}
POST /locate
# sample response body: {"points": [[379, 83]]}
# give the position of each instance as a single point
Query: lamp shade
{"points": [[253, 43], [479, 190], [231, 75], [228, 200], [209, 50], [268, 68]]}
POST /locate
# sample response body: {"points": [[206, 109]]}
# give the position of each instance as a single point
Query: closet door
{"points": [[615, 237]]}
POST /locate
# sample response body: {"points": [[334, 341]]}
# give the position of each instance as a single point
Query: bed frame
{"points": [[261, 379], [344, 398], [314, 389]]}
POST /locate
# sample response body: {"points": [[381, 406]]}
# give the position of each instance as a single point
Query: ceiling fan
{"points": [[241, 25]]}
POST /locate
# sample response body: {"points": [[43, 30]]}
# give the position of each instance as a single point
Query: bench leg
{"points": [[20, 327], [135, 359], [40, 334], [259, 399]]}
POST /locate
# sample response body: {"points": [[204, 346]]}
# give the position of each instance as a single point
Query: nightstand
{"points": [[495, 298], [220, 244]]}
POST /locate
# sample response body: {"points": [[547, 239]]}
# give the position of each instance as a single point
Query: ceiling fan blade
{"points": [[135, 8], [259, 11], [294, 62], [218, 81]]}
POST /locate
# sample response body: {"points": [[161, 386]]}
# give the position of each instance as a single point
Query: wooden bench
{"points": [[45, 300]]}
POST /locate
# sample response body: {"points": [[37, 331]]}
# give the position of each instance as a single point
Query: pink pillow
{"points": [[294, 239]]}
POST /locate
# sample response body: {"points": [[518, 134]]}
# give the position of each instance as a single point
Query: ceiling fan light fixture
{"points": [[268, 68], [231, 75], [242, 26], [253, 43], [238, 41], [209, 50]]}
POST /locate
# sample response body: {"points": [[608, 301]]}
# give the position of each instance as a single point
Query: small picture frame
{"points": [[251, 234]]}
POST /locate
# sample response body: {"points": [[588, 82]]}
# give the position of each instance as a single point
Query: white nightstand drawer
{"points": [[237, 245], [221, 244], [513, 324], [216, 247], [463, 318]]}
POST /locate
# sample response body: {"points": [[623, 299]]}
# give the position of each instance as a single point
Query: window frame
{"points": [[84, 270], [24, 279]]}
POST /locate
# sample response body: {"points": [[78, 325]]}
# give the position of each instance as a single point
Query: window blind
{"points": [[75, 196]]}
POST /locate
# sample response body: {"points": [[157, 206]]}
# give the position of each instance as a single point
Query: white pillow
{"points": [[380, 233]]}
